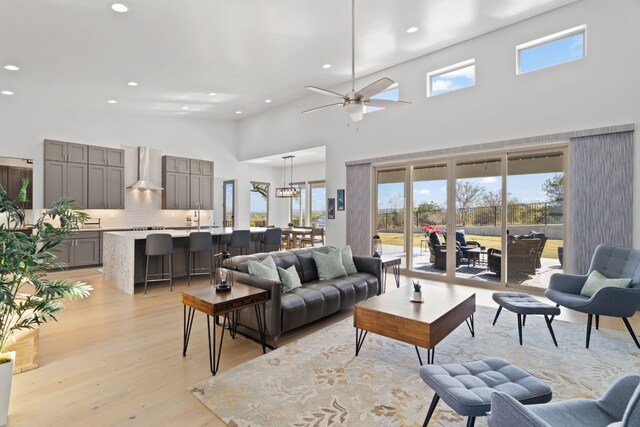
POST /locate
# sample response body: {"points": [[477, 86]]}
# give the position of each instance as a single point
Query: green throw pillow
{"points": [[265, 270], [347, 260], [289, 278], [329, 265], [597, 281]]}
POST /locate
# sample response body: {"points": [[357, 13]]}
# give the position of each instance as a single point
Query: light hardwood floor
{"points": [[116, 359]]}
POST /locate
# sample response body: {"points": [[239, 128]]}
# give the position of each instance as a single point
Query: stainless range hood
{"points": [[144, 182]]}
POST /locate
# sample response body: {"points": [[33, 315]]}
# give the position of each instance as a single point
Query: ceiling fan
{"points": [[354, 102]]}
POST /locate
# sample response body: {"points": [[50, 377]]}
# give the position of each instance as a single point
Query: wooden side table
{"points": [[213, 303], [393, 262]]}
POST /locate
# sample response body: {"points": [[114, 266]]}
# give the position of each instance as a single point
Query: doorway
{"points": [[228, 205]]}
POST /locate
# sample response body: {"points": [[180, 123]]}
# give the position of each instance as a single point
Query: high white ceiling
{"points": [[78, 54], [301, 157]]}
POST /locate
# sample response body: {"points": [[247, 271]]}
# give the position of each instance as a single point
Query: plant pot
{"points": [[417, 296], [6, 375]]}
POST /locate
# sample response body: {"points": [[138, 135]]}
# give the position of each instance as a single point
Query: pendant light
{"points": [[287, 191]]}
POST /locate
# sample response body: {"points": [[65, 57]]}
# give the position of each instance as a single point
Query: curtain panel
{"points": [[358, 210]]}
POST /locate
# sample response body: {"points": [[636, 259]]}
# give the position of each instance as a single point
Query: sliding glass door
{"points": [[496, 218], [535, 216], [390, 214], [429, 220]]}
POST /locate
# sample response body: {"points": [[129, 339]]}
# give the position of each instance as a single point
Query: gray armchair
{"points": [[620, 404], [612, 261]]}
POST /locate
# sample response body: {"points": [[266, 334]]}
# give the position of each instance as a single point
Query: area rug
{"points": [[318, 381]]}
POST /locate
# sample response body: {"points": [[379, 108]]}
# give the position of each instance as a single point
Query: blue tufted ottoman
{"points": [[467, 387], [524, 304]]}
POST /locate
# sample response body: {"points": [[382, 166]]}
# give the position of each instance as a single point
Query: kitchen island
{"points": [[123, 255]]}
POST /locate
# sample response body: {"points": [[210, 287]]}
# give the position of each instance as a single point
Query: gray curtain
{"points": [[600, 196], [358, 208]]}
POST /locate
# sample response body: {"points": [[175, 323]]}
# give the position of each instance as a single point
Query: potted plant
{"points": [[417, 290], [27, 296]]}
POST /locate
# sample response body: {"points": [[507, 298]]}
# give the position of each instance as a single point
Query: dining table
{"points": [[292, 233]]}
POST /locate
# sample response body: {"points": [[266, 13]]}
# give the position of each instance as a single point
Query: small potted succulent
{"points": [[417, 290]]}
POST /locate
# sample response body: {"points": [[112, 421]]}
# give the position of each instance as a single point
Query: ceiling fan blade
{"points": [[374, 88], [312, 110], [324, 92], [385, 103]]}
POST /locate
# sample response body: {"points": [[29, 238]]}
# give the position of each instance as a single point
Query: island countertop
{"points": [[123, 255]]}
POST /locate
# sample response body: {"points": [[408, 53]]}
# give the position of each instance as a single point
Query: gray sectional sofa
{"points": [[314, 300]]}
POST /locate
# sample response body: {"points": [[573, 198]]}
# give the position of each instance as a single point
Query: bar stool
{"points": [[240, 240], [271, 237], [158, 244], [200, 242]]}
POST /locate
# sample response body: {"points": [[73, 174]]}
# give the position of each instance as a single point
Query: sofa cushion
{"points": [[347, 260], [331, 296], [301, 306], [289, 278], [265, 269], [597, 281], [308, 271], [329, 265]]}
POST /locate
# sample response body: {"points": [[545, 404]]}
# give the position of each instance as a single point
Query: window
{"points": [[299, 205], [258, 204], [318, 203], [391, 94], [453, 77], [565, 46]]}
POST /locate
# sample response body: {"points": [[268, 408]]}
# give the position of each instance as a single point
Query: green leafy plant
{"points": [[27, 296], [417, 287]]}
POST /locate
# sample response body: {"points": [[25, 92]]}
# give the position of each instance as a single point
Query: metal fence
{"points": [[517, 214]]}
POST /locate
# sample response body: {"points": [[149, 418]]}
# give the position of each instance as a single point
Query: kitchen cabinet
{"points": [[175, 164], [106, 187], [176, 190], [65, 151], [106, 156], [201, 192], [92, 176], [63, 179], [201, 167], [80, 249]]}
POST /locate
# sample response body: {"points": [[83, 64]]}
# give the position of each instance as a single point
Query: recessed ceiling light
{"points": [[212, 94], [185, 108], [119, 7], [132, 84], [11, 67], [267, 101], [325, 66], [112, 101], [238, 112], [6, 92], [412, 30]]}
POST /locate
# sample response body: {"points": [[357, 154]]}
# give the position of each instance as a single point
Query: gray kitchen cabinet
{"points": [[65, 151], [176, 190], [106, 156], [106, 187], [80, 249], [63, 179], [201, 167], [201, 192], [175, 164]]}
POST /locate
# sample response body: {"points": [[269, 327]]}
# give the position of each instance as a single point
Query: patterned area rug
{"points": [[317, 380]]}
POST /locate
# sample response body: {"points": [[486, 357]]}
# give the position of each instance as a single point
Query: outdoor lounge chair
{"points": [[438, 253], [523, 255]]}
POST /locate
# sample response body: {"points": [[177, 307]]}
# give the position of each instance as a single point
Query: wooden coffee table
{"points": [[424, 324], [213, 304]]}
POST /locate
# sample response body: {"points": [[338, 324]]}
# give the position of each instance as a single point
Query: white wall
{"points": [[22, 133], [600, 90]]}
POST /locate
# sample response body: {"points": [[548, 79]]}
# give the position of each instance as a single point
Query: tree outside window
{"points": [[258, 204]]}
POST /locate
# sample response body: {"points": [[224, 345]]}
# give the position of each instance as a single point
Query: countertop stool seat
{"points": [[524, 304], [467, 387], [161, 245], [240, 241], [200, 241]]}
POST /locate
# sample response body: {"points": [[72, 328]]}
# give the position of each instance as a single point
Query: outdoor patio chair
{"points": [[438, 253], [612, 262], [543, 241], [523, 254]]}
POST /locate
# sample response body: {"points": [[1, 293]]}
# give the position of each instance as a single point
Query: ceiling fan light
{"points": [[355, 110]]}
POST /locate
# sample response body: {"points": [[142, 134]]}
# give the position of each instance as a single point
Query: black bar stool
{"points": [[200, 241], [241, 241], [158, 244], [271, 237]]}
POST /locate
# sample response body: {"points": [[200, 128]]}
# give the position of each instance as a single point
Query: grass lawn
{"points": [[550, 248]]}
